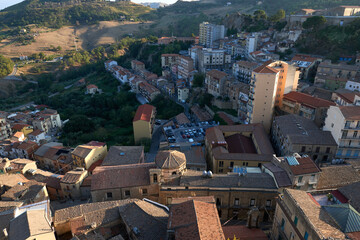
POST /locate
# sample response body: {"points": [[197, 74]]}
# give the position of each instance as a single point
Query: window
{"points": [[168, 200], [339, 152], [315, 157], [347, 124], [327, 150], [173, 173], [282, 224], [221, 170], [127, 193], [252, 202], [236, 202], [300, 179], [306, 235], [344, 134], [218, 201], [356, 153], [355, 134], [155, 178], [317, 149], [296, 221], [231, 164], [268, 203], [303, 149], [221, 163], [144, 191], [348, 153], [109, 195]]}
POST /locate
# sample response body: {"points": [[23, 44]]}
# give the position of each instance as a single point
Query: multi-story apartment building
{"points": [[307, 106], [143, 122], [306, 64], [299, 216], [185, 66], [167, 60], [345, 97], [295, 134], [268, 84], [242, 70], [5, 129], [251, 43], [238, 145], [209, 33], [213, 59], [183, 94], [87, 154], [335, 76], [215, 82], [344, 124]]}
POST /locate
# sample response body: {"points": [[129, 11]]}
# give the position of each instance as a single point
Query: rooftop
{"points": [[280, 175], [124, 155], [351, 193], [195, 179], [11, 180], [216, 74], [170, 159], [243, 233], [321, 222], [350, 112], [28, 224], [308, 100], [108, 177], [144, 113], [247, 64], [301, 165], [26, 192], [73, 176], [333, 177], [149, 219], [195, 220], [265, 69], [300, 130]]}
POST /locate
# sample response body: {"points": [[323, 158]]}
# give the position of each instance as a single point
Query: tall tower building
{"points": [[210, 33], [268, 85]]}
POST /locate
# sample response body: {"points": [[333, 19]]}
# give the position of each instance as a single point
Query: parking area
{"points": [[190, 132]]}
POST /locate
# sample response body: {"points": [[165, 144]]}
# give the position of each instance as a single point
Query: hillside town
{"points": [[274, 155]]}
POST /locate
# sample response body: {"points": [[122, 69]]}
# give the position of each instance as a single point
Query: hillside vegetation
{"points": [[331, 41], [57, 13]]}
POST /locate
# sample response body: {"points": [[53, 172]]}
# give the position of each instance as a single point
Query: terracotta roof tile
{"points": [[350, 112], [337, 176], [107, 177], [306, 166], [195, 220], [144, 113], [308, 100]]}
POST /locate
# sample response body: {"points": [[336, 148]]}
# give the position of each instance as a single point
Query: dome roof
{"points": [[170, 159]]}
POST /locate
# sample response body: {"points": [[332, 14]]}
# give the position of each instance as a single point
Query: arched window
{"points": [[173, 173]]}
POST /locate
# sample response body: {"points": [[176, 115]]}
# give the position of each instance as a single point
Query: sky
{"points": [[8, 3]]}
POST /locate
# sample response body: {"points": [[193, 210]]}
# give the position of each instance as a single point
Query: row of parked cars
{"points": [[191, 133]]}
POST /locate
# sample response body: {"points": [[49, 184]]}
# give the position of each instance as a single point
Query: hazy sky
{"points": [[7, 3]]}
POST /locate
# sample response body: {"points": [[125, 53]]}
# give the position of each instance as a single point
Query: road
{"points": [[24, 106]]}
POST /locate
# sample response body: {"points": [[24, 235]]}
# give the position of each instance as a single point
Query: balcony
{"points": [[312, 181], [302, 183], [352, 127]]}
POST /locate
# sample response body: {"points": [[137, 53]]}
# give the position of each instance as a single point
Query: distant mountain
{"points": [[154, 5], [57, 13]]}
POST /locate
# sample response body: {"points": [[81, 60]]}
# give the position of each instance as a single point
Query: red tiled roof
{"points": [[238, 143], [144, 113], [91, 86], [19, 126], [339, 196], [95, 144], [109, 177], [195, 220], [95, 164], [350, 112], [306, 166], [216, 74], [308, 100], [36, 132], [243, 233], [265, 69]]}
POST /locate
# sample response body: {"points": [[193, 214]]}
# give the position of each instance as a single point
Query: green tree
{"points": [[6, 66], [314, 22], [280, 14], [79, 123], [198, 80], [260, 15]]}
